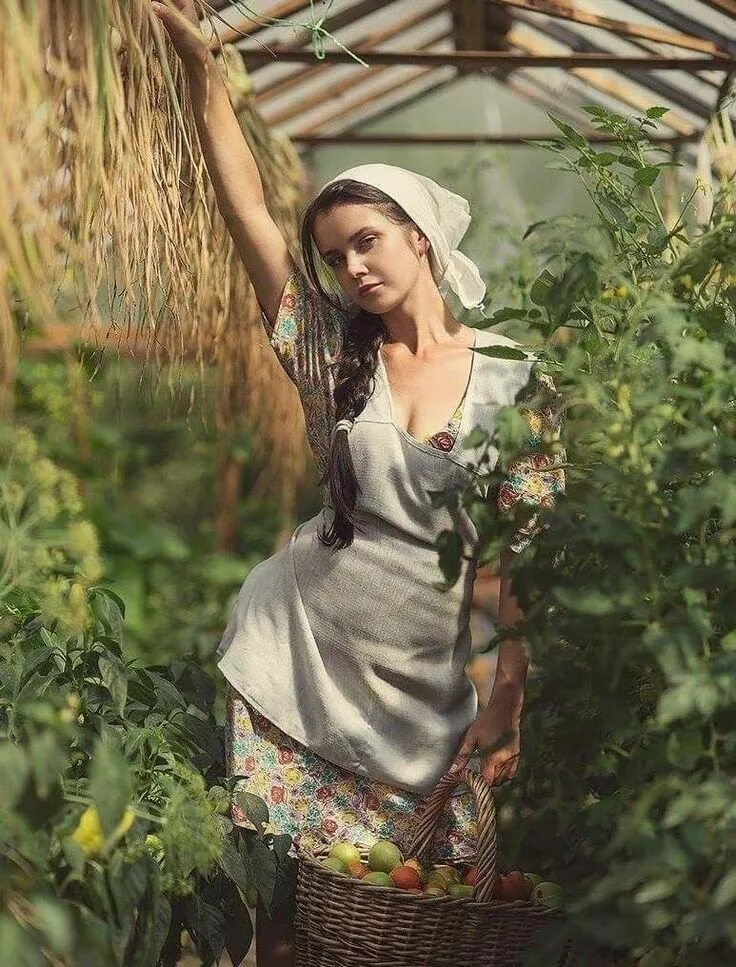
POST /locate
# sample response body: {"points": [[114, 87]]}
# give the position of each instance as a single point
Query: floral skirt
{"points": [[316, 801]]}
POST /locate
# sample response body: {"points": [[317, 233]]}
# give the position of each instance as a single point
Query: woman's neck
{"points": [[422, 320]]}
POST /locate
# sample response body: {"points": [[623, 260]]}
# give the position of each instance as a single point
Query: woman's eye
{"points": [[366, 242]]}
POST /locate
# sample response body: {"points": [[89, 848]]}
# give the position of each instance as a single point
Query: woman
{"points": [[348, 698]]}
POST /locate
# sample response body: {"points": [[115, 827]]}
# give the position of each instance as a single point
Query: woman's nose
{"points": [[355, 266]]}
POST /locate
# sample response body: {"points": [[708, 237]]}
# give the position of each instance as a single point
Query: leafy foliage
{"points": [[626, 789], [114, 833]]}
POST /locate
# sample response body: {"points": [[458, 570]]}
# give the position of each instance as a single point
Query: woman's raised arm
{"points": [[230, 163]]}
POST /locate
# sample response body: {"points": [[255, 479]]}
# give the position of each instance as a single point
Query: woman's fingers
{"points": [[463, 754], [499, 769], [181, 21]]}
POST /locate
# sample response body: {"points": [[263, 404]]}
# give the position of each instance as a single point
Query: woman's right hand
{"points": [[182, 26]]}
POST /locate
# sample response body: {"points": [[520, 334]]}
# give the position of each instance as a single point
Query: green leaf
{"points": [[450, 548], [646, 175], [110, 783], [656, 112], [501, 315], [656, 890], [254, 807], [573, 136], [115, 678], [108, 593], [232, 863], [265, 870], [676, 703], [55, 923], [46, 758], [581, 601], [14, 769], [501, 352], [476, 438], [541, 287], [604, 158], [725, 893]]}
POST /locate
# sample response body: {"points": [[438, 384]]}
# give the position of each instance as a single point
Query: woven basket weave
{"points": [[342, 922]]}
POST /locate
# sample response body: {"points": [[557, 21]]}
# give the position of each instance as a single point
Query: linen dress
{"points": [[348, 697]]}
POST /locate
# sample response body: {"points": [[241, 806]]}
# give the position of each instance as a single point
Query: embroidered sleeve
{"points": [[306, 337], [307, 332], [536, 478]]}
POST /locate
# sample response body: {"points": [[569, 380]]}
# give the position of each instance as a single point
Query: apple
{"points": [[459, 890], [471, 877], [435, 890], [449, 871], [358, 870], [384, 857], [335, 864], [406, 878], [534, 878], [377, 878], [516, 886], [347, 852], [414, 862], [548, 894]]}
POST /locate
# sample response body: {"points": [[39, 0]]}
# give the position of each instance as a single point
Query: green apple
{"points": [[548, 895], [347, 852], [335, 864], [377, 878], [384, 857], [459, 889]]}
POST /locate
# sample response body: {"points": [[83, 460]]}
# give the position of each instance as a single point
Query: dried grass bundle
{"points": [[106, 216]]}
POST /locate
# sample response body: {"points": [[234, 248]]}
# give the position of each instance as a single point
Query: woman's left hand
{"points": [[493, 725]]}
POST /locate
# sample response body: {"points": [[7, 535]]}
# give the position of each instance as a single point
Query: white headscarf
{"points": [[441, 215]]}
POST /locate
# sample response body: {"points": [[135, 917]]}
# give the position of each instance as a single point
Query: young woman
{"points": [[348, 699]]}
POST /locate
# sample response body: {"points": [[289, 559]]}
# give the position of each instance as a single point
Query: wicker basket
{"points": [[342, 922]]}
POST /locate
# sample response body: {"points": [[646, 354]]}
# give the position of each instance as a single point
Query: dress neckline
{"points": [[460, 430]]}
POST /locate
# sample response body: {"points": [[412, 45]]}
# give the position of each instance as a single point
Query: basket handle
{"points": [[429, 823]]}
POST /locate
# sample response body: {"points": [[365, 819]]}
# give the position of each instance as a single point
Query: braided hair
{"points": [[356, 365]]}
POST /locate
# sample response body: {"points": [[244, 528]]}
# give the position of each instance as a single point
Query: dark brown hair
{"points": [[356, 365]]}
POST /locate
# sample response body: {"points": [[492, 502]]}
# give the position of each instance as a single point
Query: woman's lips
{"points": [[364, 290]]}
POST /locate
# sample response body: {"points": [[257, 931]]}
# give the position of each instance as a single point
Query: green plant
{"points": [[625, 792], [114, 833]]}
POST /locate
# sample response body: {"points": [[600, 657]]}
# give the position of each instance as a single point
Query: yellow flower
{"points": [[89, 836]]}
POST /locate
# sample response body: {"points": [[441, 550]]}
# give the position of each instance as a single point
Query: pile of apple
{"points": [[387, 867]]}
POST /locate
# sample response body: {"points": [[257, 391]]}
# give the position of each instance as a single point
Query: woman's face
{"points": [[376, 261]]}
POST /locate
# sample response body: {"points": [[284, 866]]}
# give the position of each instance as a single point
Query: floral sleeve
{"points": [[306, 337], [536, 478]]}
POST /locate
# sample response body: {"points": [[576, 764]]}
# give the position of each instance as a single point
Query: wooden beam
{"points": [[384, 111], [727, 7], [479, 59], [510, 140], [389, 88], [367, 41], [670, 16], [563, 10], [614, 88], [335, 90], [580, 44]]}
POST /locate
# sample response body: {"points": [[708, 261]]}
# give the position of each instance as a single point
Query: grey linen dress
{"points": [[355, 653]]}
